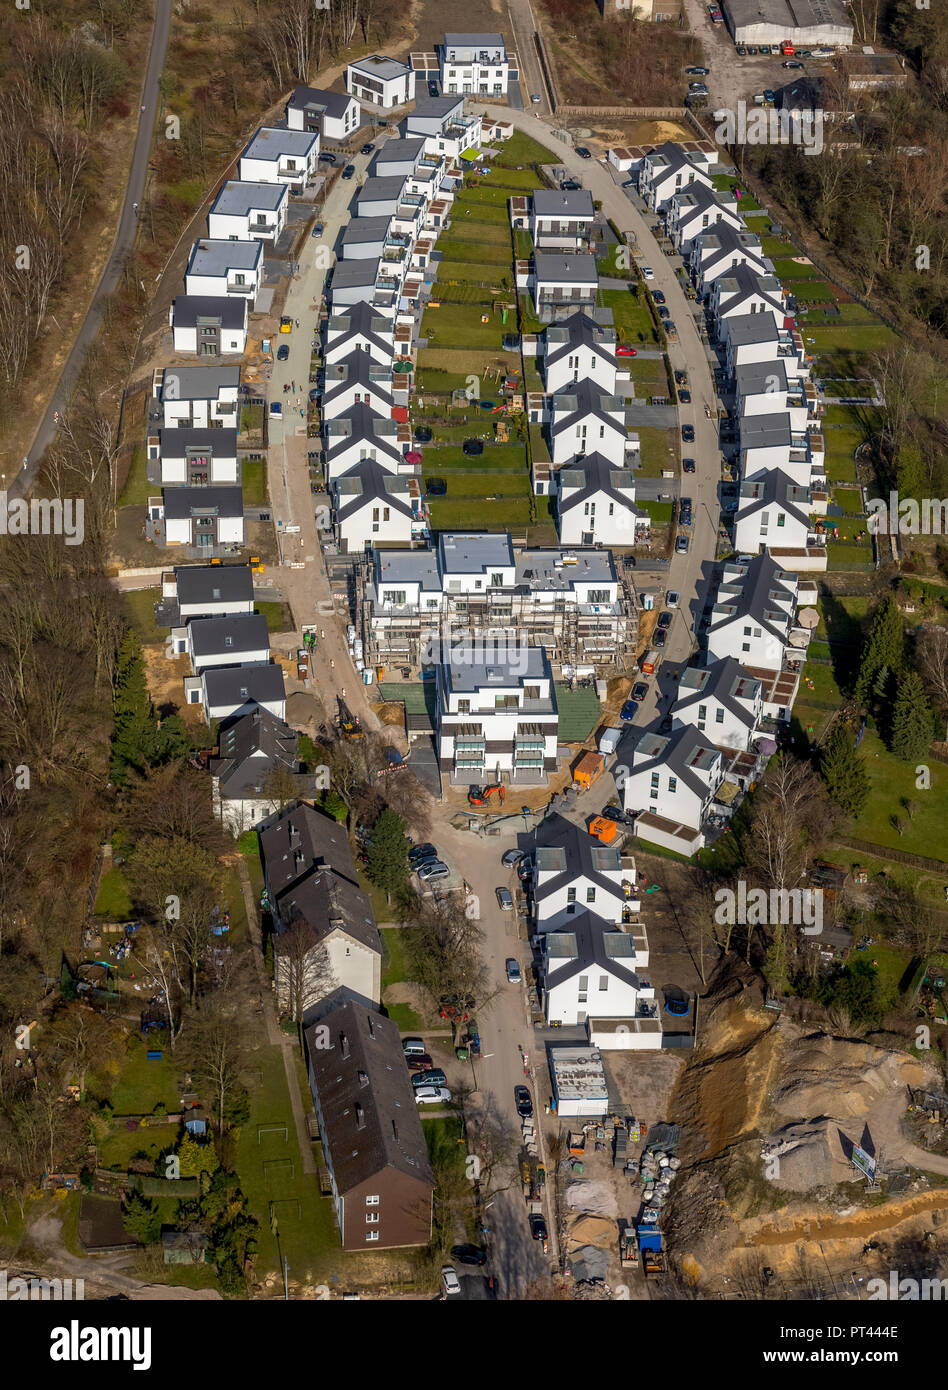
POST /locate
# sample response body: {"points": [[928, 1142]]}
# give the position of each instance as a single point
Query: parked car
{"points": [[583, 153], [367, 148], [752, 50], [473, 448], [450, 1281], [665, 620], [523, 1102], [283, 352], [432, 1095], [570, 186], [318, 229], [684, 506], [697, 72], [639, 691], [670, 329], [791, 63], [326, 157], [685, 397], [469, 1254], [511, 858], [420, 1063], [698, 89], [664, 312], [672, 598], [525, 869], [688, 433], [419, 852], [512, 968], [423, 434], [537, 1227], [431, 1076], [659, 637], [688, 465], [648, 273], [623, 350], [615, 813], [658, 296], [349, 171], [414, 1047], [535, 98], [769, 96], [765, 49], [628, 711], [435, 869], [681, 545], [504, 899], [741, 51]]}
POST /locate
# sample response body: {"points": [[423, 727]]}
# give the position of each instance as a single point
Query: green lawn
{"points": [[892, 782], [841, 619], [140, 606], [846, 554], [460, 326], [660, 512], [508, 458], [122, 1145], [475, 486], [579, 712], [477, 272], [394, 964], [474, 249], [278, 615], [858, 337], [523, 149], [253, 482], [467, 226], [633, 322], [481, 516], [136, 489], [648, 376], [458, 363], [142, 1085], [113, 900], [658, 449]]}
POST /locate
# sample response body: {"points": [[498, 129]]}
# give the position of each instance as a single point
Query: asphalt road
{"points": [[121, 248]]}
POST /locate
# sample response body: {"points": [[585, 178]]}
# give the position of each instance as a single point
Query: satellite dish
{"points": [[808, 617]]}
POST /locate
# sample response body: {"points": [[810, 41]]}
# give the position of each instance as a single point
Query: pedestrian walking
{"points": [[297, 322]]}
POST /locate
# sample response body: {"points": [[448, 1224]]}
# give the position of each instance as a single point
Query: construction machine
{"points": [[348, 724], [480, 796]]}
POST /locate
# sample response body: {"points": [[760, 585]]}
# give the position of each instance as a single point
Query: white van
{"points": [[609, 741]]}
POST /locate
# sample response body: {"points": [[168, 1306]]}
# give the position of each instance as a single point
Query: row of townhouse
{"points": [[571, 602]]}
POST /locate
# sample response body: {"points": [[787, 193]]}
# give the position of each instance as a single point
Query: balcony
{"points": [[233, 288]]}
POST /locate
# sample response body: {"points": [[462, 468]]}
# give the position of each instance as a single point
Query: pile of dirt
{"points": [[591, 1230], [835, 1076], [594, 1197]]}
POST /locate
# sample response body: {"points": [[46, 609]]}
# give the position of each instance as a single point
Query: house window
{"points": [[371, 1218], [673, 784], [719, 716], [745, 647], [603, 982], [590, 895], [372, 1201], [571, 895], [781, 519], [371, 1235]]}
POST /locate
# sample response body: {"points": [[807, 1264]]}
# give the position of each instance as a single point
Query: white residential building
{"points": [[672, 782], [773, 514], [590, 971], [209, 325], [770, 441], [577, 347], [749, 338], [667, 170], [559, 281], [575, 873], [225, 268], [206, 591], [698, 209], [744, 291], [446, 130], [587, 419], [248, 211], [334, 115], [373, 507], [561, 221], [476, 64], [257, 766], [380, 81], [357, 328], [596, 504], [196, 457], [720, 251], [723, 701], [205, 517], [226, 692], [496, 716], [198, 397], [357, 434], [357, 380], [239, 639], [278, 155], [754, 615]]}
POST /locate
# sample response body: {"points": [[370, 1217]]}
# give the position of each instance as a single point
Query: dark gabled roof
{"points": [[599, 475], [303, 840], [221, 443], [243, 632], [572, 854], [354, 371], [363, 421], [759, 585], [251, 749], [375, 484], [231, 310], [333, 104], [360, 317], [584, 331], [722, 681], [330, 903], [771, 486], [750, 282], [676, 753], [370, 1120], [238, 685], [213, 583], [732, 239], [591, 938], [186, 502], [588, 397]]}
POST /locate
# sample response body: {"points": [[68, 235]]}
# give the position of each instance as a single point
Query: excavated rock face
{"points": [[834, 1076]]}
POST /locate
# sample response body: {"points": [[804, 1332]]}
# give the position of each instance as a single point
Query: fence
{"points": [[899, 856]]}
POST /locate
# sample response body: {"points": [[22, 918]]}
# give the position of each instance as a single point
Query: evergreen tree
{"points": [[387, 865], [883, 651], [141, 1218], [843, 771], [140, 740], [911, 719]]}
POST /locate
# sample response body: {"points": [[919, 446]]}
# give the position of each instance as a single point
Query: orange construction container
{"points": [[587, 768], [603, 829]]}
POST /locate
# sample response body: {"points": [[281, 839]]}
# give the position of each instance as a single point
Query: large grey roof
{"points": [[683, 753], [199, 383], [367, 481], [789, 14], [270, 142], [568, 853], [407, 567], [252, 749], [362, 320], [301, 840], [578, 269], [774, 486], [382, 189], [465, 552], [397, 152], [434, 108], [593, 473], [759, 587], [579, 400], [229, 310], [757, 378], [479, 665], [543, 568], [576, 331], [474, 41], [175, 441], [236, 685], [724, 680], [237, 198], [213, 583], [241, 632], [766, 431], [362, 229], [213, 256], [606, 947], [377, 65], [181, 502], [750, 328], [550, 203], [332, 104]]}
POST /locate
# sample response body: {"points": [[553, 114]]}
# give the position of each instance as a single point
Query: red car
{"points": [[623, 351]]}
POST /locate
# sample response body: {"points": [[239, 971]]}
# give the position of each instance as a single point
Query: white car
{"points": [[648, 273], [450, 1281], [432, 1095], [535, 98], [504, 899], [671, 598]]}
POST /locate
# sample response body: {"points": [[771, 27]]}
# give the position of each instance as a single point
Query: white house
{"points": [[587, 419], [205, 517], [590, 970], [225, 267], [334, 115], [256, 770], [278, 155], [744, 291], [398, 158], [380, 81], [666, 170], [209, 325], [673, 779], [721, 250], [770, 441], [698, 209], [754, 615], [496, 713], [206, 591], [198, 396], [248, 211], [357, 434], [561, 221], [578, 347], [773, 513], [196, 457], [311, 882], [575, 873], [373, 507], [722, 701], [239, 639], [357, 380], [596, 504], [563, 280], [229, 691], [356, 328], [476, 64], [446, 129]]}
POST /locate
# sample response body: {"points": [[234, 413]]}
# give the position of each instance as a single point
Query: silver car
{"points": [[504, 899]]}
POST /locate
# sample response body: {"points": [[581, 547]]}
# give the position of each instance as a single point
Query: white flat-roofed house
{"points": [[564, 280], [372, 507], [673, 777], [335, 115], [380, 197], [207, 591], [722, 701], [770, 441], [575, 873], [225, 268], [496, 713], [357, 380], [239, 639], [697, 209], [358, 328], [476, 64], [561, 221], [373, 281], [773, 513], [754, 615], [667, 170], [279, 155], [398, 158], [445, 127], [596, 504], [199, 397], [590, 970], [209, 325], [364, 238], [766, 388], [248, 211], [357, 434], [577, 347], [720, 251], [196, 457], [585, 419], [206, 517], [380, 81]]}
